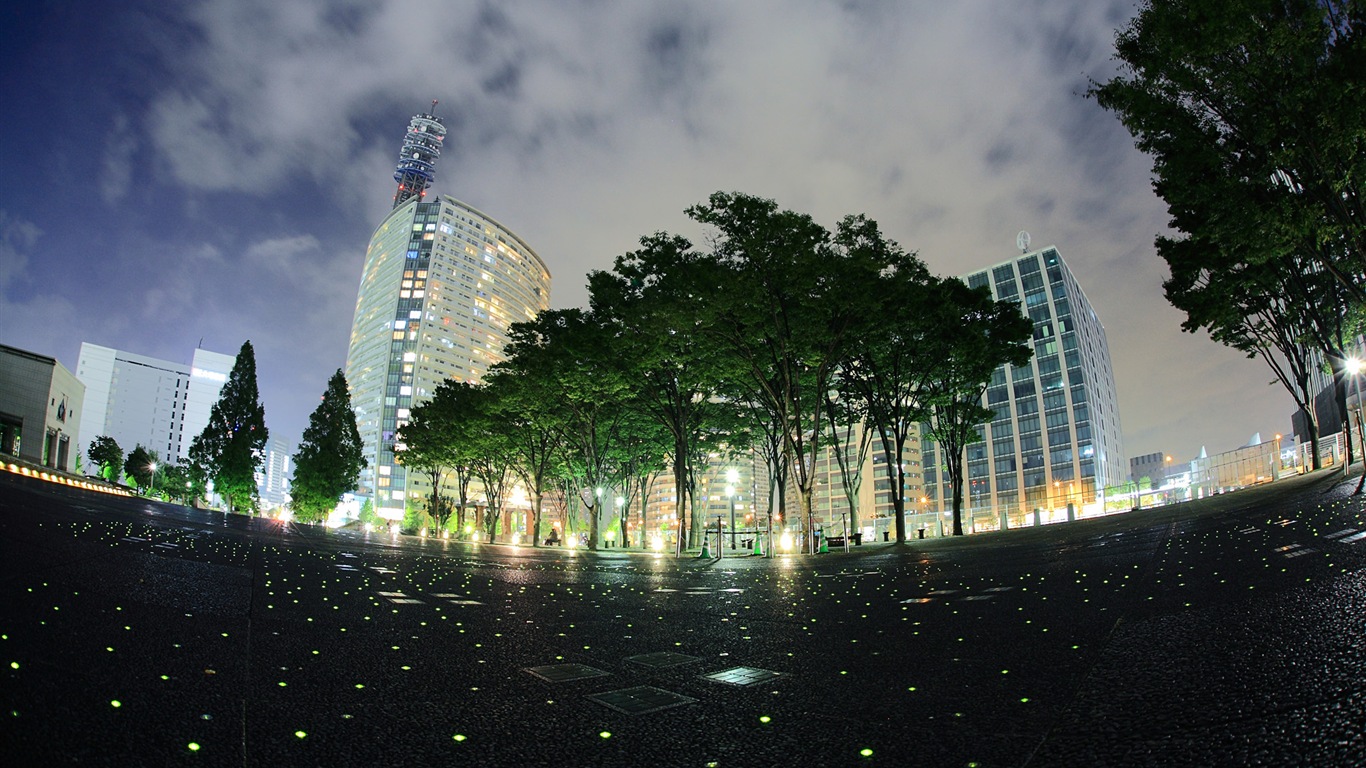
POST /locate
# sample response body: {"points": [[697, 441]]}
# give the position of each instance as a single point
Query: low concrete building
{"points": [[40, 406]]}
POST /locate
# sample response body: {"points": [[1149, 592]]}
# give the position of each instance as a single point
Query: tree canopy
{"points": [[107, 456]]}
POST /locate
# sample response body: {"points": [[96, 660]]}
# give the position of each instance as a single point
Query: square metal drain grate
{"points": [[661, 660], [742, 676], [640, 700], [563, 673]]}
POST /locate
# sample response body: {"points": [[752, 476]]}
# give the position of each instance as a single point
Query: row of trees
{"points": [[1252, 111], [775, 337], [142, 467]]}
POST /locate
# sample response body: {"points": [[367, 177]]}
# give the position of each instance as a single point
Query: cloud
{"points": [[117, 173], [271, 131], [17, 236], [27, 307]]}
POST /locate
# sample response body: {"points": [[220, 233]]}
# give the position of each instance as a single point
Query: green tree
{"points": [[650, 302], [532, 432], [885, 380], [790, 300], [330, 457], [232, 446], [976, 335], [105, 453], [437, 441], [140, 467], [173, 483], [574, 349], [1253, 115], [368, 515]]}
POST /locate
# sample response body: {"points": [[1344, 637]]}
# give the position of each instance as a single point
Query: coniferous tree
{"points": [[232, 446], [329, 459]]}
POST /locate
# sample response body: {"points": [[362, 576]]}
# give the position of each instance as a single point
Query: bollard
{"points": [[1071, 512], [1038, 516]]}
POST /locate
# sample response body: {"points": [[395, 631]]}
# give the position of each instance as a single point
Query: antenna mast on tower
{"points": [[417, 160]]}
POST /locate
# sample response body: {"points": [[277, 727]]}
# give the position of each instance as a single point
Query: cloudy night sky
{"points": [[213, 170]]}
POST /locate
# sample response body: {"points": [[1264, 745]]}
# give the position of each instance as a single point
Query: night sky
{"points": [[171, 172]]}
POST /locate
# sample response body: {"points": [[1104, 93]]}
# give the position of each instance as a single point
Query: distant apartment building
{"points": [[41, 403], [1150, 465], [272, 479], [161, 405], [1055, 437]]}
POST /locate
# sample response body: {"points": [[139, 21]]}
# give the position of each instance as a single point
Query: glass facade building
{"points": [[442, 283], [1055, 438]]}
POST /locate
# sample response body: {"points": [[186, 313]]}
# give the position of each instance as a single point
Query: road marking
{"points": [[1342, 532], [1354, 538], [1305, 551], [1288, 547]]}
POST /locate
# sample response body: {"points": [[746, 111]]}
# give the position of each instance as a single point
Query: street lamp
{"points": [[1354, 366], [152, 481], [732, 476]]}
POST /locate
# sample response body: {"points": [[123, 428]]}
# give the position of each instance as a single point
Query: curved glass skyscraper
{"points": [[442, 283]]}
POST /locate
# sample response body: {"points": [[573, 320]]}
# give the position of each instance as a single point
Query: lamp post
{"points": [[625, 529], [732, 476], [152, 481], [1354, 366]]}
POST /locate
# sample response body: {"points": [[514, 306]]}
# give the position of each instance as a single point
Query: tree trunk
{"points": [[536, 519], [955, 467], [592, 524]]}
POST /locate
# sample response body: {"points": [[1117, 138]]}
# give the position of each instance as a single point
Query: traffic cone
{"points": [[758, 545], [706, 549], [825, 546]]}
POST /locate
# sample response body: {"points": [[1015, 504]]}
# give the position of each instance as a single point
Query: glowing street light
{"points": [[1354, 366], [152, 482]]}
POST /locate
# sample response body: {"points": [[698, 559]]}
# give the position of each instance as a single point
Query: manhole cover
{"points": [[742, 676], [561, 673], [640, 700], [661, 660]]}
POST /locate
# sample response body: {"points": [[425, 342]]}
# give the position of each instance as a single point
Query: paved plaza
{"points": [[1227, 632]]}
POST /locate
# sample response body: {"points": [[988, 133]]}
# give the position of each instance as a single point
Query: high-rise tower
{"points": [[417, 159], [442, 283], [1055, 437]]}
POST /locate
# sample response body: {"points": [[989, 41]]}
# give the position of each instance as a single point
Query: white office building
{"points": [[139, 400]]}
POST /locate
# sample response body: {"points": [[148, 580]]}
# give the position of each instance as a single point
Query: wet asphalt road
{"points": [[1229, 632]]}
